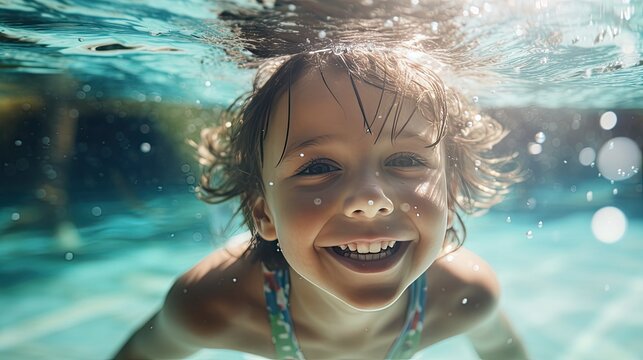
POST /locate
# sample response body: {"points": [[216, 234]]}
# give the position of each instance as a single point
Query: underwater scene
{"points": [[102, 104]]}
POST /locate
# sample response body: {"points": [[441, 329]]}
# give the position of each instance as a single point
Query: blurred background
{"points": [[99, 100]]}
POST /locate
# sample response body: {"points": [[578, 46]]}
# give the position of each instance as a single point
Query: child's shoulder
{"points": [[463, 291], [214, 301]]}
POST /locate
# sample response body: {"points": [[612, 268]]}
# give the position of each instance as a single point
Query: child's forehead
{"points": [[329, 104]]}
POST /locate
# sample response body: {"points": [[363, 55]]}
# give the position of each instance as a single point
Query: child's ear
{"points": [[263, 220]]}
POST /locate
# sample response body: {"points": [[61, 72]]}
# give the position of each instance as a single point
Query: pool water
{"points": [[98, 214]]}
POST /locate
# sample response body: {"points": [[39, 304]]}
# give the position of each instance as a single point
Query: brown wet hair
{"points": [[231, 152]]}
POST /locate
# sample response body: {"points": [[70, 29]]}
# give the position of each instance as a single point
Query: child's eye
{"points": [[317, 167], [405, 160]]}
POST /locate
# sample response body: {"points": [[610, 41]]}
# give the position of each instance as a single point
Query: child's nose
{"points": [[368, 202]]}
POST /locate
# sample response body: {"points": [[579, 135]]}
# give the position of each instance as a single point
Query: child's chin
{"points": [[373, 300]]}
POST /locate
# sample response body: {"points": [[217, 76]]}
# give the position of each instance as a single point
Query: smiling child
{"points": [[350, 166]]}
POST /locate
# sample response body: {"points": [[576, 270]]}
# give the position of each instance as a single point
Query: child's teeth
{"points": [[352, 246], [391, 243], [375, 247], [343, 247], [363, 248]]}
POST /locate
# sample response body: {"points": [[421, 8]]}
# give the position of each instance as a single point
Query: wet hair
{"points": [[231, 152]]}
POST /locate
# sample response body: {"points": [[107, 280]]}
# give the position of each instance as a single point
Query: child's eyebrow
{"points": [[293, 149]]}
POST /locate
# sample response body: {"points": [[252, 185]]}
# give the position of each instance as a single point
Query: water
{"points": [[97, 211]]}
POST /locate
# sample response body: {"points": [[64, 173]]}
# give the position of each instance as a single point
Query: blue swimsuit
{"points": [[277, 288]]}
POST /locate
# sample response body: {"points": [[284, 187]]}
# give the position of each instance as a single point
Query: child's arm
{"points": [[165, 336], [495, 339]]}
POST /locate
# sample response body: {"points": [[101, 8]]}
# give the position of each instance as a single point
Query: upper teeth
{"points": [[368, 247]]}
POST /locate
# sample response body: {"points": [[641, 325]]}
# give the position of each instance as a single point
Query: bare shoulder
{"points": [[210, 301], [463, 291]]}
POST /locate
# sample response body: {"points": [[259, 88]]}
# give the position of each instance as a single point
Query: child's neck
{"points": [[316, 312]]}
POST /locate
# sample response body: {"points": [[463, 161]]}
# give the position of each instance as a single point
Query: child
{"points": [[350, 165]]}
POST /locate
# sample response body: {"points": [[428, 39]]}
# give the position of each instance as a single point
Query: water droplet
{"points": [[465, 301], [529, 234], [405, 207], [475, 99], [615, 191], [15, 216], [540, 137], [388, 23], [477, 162], [589, 196], [321, 34], [291, 7], [508, 219], [317, 201], [270, 183], [371, 202], [540, 224], [97, 211], [146, 147], [208, 83], [417, 214]]}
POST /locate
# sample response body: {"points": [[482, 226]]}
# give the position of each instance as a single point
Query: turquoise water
{"points": [[97, 206]]}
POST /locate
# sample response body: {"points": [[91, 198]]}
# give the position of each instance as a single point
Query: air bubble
{"points": [[270, 183], [301, 154], [321, 34], [608, 120], [69, 256], [589, 196], [234, 280], [370, 203], [15, 216], [465, 301], [475, 99], [529, 234], [586, 156], [97, 211], [405, 207], [208, 83], [508, 219], [540, 137], [618, 153], [146, 147], [609, 224], [317, 201], [534, 148], [540, 224]]}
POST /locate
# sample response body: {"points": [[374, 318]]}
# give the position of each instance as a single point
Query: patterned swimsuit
{"points": [[277, 288]]}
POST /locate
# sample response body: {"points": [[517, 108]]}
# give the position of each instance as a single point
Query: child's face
{"points": [[356, 191]]}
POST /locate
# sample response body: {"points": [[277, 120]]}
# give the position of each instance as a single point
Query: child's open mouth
{"points": [[372, 260]]}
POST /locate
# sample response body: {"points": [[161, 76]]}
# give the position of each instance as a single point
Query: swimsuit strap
{"points": [[276, 289], [408, 342]]}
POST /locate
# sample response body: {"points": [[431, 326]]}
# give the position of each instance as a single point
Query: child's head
{"points": [[354, 143]]}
